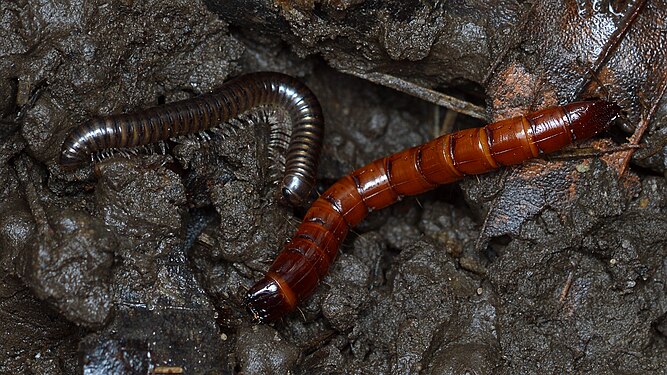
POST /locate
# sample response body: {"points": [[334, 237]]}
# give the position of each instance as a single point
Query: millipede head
{"points": [[71, 159], [75, 151], [295, 191]]}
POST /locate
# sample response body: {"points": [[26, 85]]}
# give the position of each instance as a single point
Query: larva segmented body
{"points": [[305, 259], [206, 111]]}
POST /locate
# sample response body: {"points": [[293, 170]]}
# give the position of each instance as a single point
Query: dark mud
{"points": [[137, 265]]}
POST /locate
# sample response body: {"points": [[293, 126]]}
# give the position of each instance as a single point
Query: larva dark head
{"points": [[590, 118], [266, 302]]}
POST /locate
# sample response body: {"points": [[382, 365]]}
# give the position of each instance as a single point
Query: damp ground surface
{"points": [[139, 264]]}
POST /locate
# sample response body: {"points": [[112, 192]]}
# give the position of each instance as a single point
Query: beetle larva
{"points": [[306, 258]]}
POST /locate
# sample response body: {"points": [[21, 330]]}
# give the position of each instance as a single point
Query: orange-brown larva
{"points": [[306, 258]]}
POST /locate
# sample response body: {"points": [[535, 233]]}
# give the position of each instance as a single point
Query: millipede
{"points": [[305, 259], [204, 112]]}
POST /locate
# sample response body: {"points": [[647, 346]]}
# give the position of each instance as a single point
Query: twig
{"points": [[568, 282], [589, 152], [424, 93]]}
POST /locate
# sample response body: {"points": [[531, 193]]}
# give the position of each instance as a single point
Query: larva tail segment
{"points": [[305, 259], [271, 301]]}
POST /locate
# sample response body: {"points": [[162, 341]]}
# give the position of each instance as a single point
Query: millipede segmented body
{"points": [[207, 111], [306, 258]]}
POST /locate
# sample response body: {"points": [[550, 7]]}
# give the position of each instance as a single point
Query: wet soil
{"points": [[137, 265]]}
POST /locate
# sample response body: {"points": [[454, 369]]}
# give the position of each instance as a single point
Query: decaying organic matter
{"points": [[557, 265]]}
